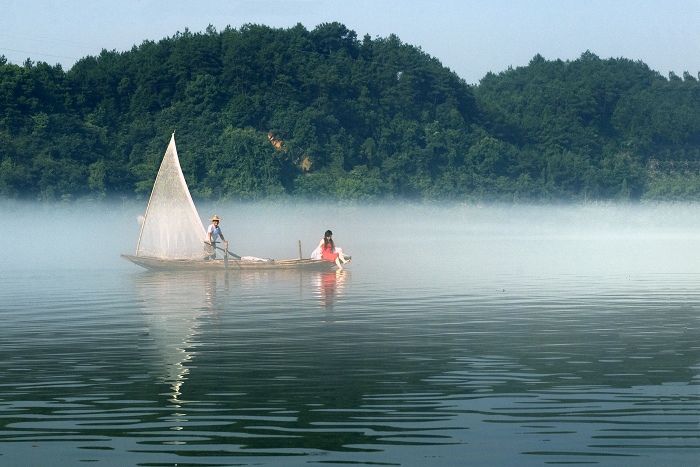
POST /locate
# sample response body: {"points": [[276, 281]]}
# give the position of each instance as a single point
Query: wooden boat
{"points": [[172, 234], [161, 264]]}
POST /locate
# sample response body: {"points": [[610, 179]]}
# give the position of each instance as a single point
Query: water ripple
{"points": [[159, 369]]}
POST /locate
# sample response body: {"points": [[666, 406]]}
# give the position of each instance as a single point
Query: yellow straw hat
{"points": [[215, 218]]}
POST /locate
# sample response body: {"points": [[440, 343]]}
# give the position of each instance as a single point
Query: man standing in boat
{"points": [[213, 234]]}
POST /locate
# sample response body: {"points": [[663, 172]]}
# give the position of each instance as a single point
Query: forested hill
{"points": [[262, 112]]}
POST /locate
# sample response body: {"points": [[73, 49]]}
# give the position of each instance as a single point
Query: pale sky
{"points": [[471, 37]]}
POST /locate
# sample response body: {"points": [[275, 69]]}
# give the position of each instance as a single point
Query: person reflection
{"points": [[330, 286], [212, 292]]}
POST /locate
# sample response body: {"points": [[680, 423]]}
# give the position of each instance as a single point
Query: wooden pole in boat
{"points": [[299, 249], [226, 256]]}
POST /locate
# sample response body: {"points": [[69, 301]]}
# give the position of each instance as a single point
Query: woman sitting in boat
{"points": [[213, 233], [329, 252]]}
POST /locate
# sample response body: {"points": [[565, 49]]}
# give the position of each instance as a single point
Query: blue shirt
{"points": [[215, 231]]}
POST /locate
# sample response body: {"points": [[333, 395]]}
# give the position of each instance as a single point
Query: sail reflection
{"points": [[179, 308], [172, 306]]}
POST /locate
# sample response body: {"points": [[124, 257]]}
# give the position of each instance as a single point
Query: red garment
{"points": [[327, 253]]}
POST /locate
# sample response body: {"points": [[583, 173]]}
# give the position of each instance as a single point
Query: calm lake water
{"points": [[458, 335]]}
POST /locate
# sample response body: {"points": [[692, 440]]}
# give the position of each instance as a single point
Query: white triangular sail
{"points": [[171, 228]]}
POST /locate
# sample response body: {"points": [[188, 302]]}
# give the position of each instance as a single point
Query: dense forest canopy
{"points": [[262, 112]]}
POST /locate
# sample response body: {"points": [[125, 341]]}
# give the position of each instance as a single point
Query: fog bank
{"points": [[401, 239]]}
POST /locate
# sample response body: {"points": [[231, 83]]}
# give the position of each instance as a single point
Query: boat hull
{"points": [[159, 264]]}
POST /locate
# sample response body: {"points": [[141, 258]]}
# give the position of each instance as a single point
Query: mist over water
{"points": [[404, 238], [458, 335]]}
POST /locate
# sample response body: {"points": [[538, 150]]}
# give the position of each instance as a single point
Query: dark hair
{"points": [[327, 240]]}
